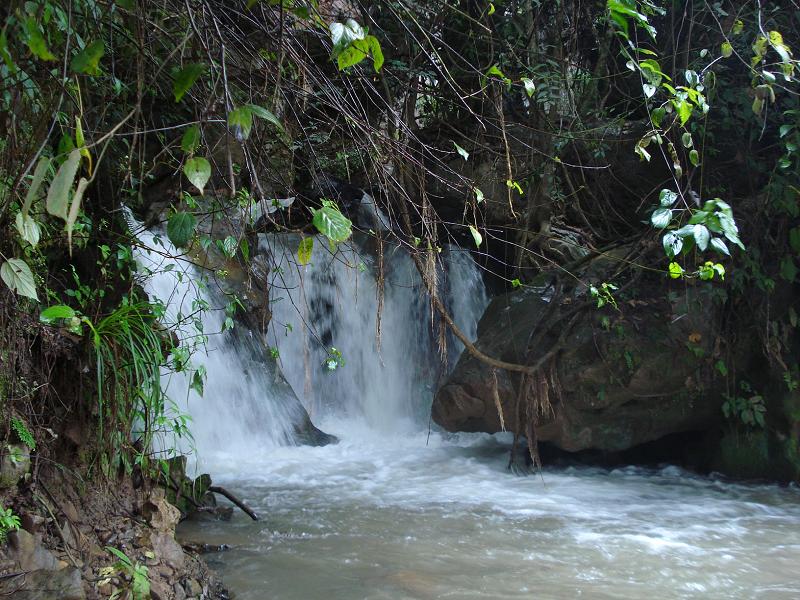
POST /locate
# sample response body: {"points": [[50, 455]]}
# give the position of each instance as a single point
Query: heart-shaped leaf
{"points": [[198, 172]]}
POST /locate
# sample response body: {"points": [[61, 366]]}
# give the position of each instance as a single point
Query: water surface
{"points": [[407, 517]]}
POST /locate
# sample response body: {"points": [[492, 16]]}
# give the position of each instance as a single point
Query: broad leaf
{"points": [[672, 244], [38, 176], [304, 250], [28, 229], [263, 113], [720, 246], [53, 313], [331, 223], [530, 86], [198, 172], [17, 275], [667, 198], [75, 209], [191, 139], [675, 270], [180, 228], [35, 40], [464, 154], [661, 217], [241, 121], [58, 194], [476, 235], [184, 79], [701, 236], [88, 60]]}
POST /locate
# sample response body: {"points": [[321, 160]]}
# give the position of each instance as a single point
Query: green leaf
{"points": [[180, 228], [17, 275], [183, 79], [28, 228], [684, 111], [263, 113], [58, 194], [675, 270], [686, 139], [191, 139], [672, 244], [726, 50], [75, 209], [304, 250], [701, 236], [35, 39], [667, 198], [241, 120], [694, 157], [657, 116], [464, 154], [720, 246], [661, 218], [38, 177], [56, 312], [5, 54], [229, 246], [476, 235], [198, 172], [530, 86], [331, 223], [478, 196], [88, 60], [515, 283]]}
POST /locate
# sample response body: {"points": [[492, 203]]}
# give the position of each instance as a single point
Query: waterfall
{"points": [[387, 380], [245, 406], [322, 339]]}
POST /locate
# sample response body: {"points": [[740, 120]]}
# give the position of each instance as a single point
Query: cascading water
{"points": [[386, 381], [245, 406]]}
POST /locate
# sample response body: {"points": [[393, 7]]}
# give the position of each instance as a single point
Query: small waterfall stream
{"points": [[386, 383]]}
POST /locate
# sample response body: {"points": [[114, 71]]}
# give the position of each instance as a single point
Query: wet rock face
{"points": [[625, 377]]}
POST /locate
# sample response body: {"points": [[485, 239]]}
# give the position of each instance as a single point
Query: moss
{"points": [[745, 455]]}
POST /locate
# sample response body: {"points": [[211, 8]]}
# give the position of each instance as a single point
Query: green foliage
{"points": [[17, 275], [304, 250], [184, 78], [138, 587], [8, 522], [87, 61], [747, 408], [198, 172], [352, 44], [23, 433], [181, 228], [604, 294], [331, 223]]}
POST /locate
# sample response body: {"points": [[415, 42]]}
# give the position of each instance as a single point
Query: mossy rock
{"points": [[745, 455]]}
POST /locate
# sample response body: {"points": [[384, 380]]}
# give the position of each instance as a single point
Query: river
{"points": [[409, 517]]}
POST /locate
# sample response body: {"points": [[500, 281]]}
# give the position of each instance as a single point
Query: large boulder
{"points": [[624, 377]]}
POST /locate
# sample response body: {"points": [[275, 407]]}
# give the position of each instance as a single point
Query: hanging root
{"points": [[534, 394], [497, 404]]}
